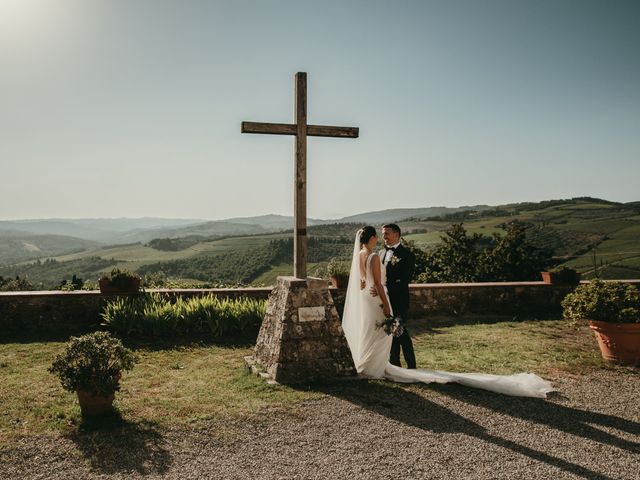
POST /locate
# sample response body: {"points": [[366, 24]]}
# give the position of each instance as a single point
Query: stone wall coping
{"points": [[266, 290], [45, 293], [418, 286]]}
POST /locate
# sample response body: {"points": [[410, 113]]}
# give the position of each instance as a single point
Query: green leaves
{"points": [[337, 267], [93, 362], [121, 277], [604, 301], [464, 257]]}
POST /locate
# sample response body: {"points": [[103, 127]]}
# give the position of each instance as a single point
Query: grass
{"points": [[543, 347], [196, 384], [179, 385]]}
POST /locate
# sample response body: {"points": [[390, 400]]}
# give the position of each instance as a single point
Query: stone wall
{"points": [[52, 312], [76, 312]]}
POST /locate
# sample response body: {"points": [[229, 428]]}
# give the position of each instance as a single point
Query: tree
{"points": [[476, 258], [511, 257], [455, 259], [421, 259]]}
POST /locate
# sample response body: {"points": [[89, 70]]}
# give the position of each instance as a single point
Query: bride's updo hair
{"points": [[367, 233]]}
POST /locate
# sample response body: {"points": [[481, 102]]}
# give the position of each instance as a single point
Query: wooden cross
{"points": [[301, 130]]}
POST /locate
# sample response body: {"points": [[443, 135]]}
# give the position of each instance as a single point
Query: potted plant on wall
{"points": [[119, 282], [613, 312], [561, 276], [339, 272], [91, 366]]}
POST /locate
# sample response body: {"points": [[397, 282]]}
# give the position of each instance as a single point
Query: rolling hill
{"points": [[585, 233], [102, 230], [399, 214], [18, 246]]}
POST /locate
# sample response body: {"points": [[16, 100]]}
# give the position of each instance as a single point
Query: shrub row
{"points": [[158, 315]]}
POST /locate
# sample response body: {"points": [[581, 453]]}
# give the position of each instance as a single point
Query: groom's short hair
{"points": [[394, 227]]}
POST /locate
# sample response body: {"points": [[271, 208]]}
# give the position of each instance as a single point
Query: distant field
{"points": [[572, 229], [142, 254], [425, 239], [269, 278]]}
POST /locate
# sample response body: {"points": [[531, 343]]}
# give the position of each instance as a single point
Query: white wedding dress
{"points": [[370, 345]]}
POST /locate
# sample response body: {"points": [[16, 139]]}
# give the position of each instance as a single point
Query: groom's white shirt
{"points": [[386, 254]]}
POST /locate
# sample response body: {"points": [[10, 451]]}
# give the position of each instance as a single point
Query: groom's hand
{"points": [[373, 292]]}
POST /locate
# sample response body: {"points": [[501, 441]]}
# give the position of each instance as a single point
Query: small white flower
{"points": [[394, 260]]}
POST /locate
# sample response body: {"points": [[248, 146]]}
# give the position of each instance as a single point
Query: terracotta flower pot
{"points": [[91, 405], [557, 278], [340, 281], [619, 342], [107, 287], [549, 277]]}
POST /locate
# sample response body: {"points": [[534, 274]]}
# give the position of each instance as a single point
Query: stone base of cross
{"points": [[301, 339]]}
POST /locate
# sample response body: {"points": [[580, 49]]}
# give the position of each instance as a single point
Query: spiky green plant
{"points": [[158, 315]]}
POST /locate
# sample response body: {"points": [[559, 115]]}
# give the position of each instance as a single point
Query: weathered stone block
{"points": [[301, 338]]}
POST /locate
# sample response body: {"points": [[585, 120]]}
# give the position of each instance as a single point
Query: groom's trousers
{"points": [[404, 342], [399, 299]]}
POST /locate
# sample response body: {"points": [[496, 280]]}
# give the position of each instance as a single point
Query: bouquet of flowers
{"points": [[391, 326]]}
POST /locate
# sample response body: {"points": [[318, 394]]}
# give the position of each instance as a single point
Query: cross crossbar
{"points": [[291, 129]]}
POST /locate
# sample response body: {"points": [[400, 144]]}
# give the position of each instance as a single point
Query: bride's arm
{"points": [[375, 270]]}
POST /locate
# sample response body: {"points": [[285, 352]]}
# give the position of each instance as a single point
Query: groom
{"points": [[399, 263]]}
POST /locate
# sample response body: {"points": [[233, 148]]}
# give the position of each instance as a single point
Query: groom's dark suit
{"points": [[399, 269]]}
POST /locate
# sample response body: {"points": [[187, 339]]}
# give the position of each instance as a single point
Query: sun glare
{"points": [[31, 28], [18, 16]]}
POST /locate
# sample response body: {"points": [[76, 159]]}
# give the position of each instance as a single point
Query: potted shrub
{"points": [[91, 366], [119, 282], [339, 273], [613, 312], [561, 276]]}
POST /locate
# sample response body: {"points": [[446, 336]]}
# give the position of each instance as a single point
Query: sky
{"points": [[120, 108]]}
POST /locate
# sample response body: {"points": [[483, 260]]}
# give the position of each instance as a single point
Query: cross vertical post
{"points": [[301, 130], [300, 187]]}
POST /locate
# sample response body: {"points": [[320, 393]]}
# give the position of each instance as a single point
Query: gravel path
{"points": [[375, 430]]}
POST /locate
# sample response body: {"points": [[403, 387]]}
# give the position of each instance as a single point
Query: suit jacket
{"points": [[399, 273]]}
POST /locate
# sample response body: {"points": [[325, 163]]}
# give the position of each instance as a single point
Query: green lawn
{"points": [[198, 383]]}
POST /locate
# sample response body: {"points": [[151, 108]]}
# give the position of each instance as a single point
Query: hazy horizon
{"points": [[133, 109], [269, 214]]}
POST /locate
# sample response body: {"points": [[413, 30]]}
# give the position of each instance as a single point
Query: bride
{"points": [[370, 345]]}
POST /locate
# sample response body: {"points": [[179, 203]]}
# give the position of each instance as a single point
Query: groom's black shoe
{"points": [[394, 355]]}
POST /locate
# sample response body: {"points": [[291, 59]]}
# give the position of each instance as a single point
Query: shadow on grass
{"points": [[237, 340], [112, 444], [409, 408], [41, 336]]}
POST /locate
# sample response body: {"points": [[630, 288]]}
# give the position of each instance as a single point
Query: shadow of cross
{"points": [[301, 130]]}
